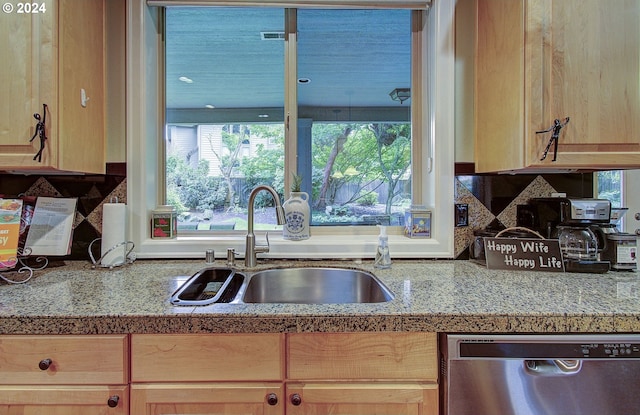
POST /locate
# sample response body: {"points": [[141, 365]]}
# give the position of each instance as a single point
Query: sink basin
{"points": [[315, 286], [208, 286]]}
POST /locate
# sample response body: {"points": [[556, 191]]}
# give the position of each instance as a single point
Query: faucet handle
{"points": [[263, 248], [231, 257]]}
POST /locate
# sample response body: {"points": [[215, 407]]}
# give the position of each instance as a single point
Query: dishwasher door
{"points": [[540, 374]]}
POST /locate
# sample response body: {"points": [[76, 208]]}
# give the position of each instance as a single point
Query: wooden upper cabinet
{"points": [[540, 60], [52, 57]]}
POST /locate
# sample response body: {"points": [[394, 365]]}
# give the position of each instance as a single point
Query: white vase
{"points": [[298, 216]]}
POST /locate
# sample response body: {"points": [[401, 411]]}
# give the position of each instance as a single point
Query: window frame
{"points": [[432, 43]]}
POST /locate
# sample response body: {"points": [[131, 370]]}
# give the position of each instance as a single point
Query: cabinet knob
{"points": [[45, 364], [296, 399], [112, 402], [272, 399]]}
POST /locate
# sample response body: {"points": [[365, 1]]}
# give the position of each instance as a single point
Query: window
{"points": [[230, 144], [354, 137], [609, 186]]}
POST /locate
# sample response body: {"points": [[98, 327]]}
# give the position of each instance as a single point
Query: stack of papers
{"points": [[51, 227]]}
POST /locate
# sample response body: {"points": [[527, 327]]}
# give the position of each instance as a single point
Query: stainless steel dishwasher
{"points": [[540, 374]]}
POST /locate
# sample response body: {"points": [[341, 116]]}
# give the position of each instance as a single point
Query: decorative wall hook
{"points": [[556, 128], [40, 131]]}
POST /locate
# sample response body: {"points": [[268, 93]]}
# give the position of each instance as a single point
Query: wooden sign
{"points": [[523, 254]]}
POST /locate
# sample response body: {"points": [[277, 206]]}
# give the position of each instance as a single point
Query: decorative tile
{"points": [[119, 194], [42, 187]]}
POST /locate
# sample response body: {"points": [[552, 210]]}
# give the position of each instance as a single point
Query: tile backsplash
{"points": [[491, 199], [92, 192]]}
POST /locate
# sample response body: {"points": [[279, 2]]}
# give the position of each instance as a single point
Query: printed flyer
{"points": [[10, 212]]}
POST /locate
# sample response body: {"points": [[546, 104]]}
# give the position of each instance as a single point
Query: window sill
{"points": [[316, 247]]}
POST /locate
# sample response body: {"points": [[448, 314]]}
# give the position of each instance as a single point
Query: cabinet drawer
{"points": [[67, 400], [353, 398], [44, 360], [390, 356], [208, 398], [210, 357]]}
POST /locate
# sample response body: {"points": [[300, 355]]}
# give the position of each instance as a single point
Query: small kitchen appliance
{"points": [[577, 224], [545, 214], [621, 249]]}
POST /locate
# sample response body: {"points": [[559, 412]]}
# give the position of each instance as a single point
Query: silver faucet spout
{"points": [[251, 249]]}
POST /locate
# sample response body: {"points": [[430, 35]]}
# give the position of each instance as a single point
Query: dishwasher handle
{"points": [[556, 367]]}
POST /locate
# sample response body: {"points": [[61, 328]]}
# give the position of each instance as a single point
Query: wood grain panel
{"points": [[209, 357], [341, 356]]}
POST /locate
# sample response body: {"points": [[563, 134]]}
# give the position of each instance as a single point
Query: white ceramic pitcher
{"points": [[298, 216]]}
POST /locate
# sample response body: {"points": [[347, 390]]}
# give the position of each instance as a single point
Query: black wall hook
{"points": [[556, 128], [40, 131]]}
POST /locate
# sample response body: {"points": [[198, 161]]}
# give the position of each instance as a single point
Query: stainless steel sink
{"points": [[314, 286]]}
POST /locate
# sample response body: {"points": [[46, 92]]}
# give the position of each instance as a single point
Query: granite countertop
{"points": [[430, 295]]}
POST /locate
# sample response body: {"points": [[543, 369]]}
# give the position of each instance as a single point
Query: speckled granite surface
{"points": [[442, 296]]}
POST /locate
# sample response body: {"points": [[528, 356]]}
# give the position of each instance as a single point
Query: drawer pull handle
{"points": [[45, 364], [272, 399], [112, 402], [296, 399]]}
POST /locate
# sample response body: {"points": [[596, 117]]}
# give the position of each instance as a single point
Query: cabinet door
{"points": [[382, 356], [207, 357], [61, 400], [207, 399], [362, 399], [590, 61], [27, 76], [77, 360], [81, 65], [540, 60]]}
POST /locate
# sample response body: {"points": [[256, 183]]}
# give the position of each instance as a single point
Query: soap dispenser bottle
{"points": [[383, 257]]}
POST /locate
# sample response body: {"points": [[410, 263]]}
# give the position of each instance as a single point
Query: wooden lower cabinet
{"points": [[64, 375], [285, 374], [64, 400], [339, 398], [207, 399], [212, 374]]}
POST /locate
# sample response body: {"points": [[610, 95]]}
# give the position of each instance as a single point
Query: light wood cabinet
{"points": [[293, 373], [343, 356], [231, 398], [64, 400], [68, 375], [542, 60], [207, 374], [211, 357], [53, 57], [362, 373], [407, 398]]}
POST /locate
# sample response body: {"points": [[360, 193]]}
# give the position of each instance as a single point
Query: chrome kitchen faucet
{"points": [[251, 248]]}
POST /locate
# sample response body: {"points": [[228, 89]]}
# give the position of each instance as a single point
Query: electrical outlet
{"points": [[462, 214]]}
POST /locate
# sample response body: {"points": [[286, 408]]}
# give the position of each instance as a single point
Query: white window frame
{"points": [[435, 121]]}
